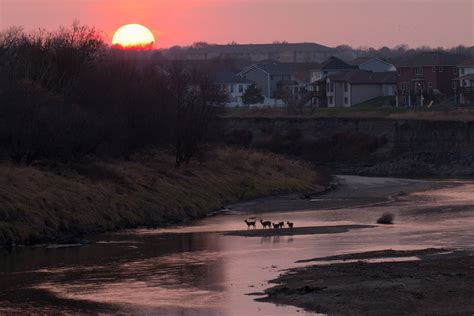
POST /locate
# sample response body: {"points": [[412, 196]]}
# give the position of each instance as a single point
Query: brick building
{"points": [[426, 77]]}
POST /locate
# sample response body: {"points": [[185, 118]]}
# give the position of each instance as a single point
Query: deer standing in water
{"points": [[290, 225], [266, 224], [249, 224]]}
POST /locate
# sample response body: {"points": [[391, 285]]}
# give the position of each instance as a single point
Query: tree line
{"points": [[66, 95]]}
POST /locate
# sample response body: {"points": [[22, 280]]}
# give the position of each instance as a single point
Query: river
{"points": [[194, 269]]}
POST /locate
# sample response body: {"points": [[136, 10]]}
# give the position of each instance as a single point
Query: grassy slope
{"points": [[38, 205]]}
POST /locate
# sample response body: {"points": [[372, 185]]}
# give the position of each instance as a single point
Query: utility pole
{"points": [[421, 87]]}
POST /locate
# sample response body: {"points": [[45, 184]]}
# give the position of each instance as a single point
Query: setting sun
{"points": [[133, 36]]}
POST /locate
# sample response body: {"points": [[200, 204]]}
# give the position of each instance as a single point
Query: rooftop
{"points": [[465, 77], [277, 68], [357, 76], [468, 62], [360, 60], [229, 77], [335, 63], [430, 59]]}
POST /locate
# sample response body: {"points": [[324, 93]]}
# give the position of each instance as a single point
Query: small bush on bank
{"points": [[386, 219]]}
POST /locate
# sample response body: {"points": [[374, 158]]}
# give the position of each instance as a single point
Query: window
{"points": [[440, 69], [434, 69], [346, 87], [346, 100], [332, 87], [231, 88], [399, 71], [462, 71], [405, 100], [430, 84], [419, 71], [241, 88], [455, 70], [330, 100], [404, 86], [328, 86]]}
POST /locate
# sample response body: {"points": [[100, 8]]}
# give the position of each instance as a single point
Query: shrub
{"points": [[386, 219]]}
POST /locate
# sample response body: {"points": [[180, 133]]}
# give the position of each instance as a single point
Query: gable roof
{"points": [[360, 60], [229, 77], [357, 76], [277, 68], [430, 59], [335, 63]]}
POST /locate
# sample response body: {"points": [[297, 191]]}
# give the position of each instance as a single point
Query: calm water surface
{"points": [[195, 270]]}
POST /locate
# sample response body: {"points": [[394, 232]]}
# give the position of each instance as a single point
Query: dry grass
{"points": [[37, 205]]}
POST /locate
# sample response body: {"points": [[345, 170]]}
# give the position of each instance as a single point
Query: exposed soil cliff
{"points": [[371, 146]]}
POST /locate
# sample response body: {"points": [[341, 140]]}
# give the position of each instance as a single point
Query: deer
{"points": [[290, 225], [276, 225], [266, 224], [249, 224], [281, 224]]}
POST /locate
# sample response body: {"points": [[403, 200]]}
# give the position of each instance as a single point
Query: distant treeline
{"points": [[342, 51], [65, 95], [399, 52]]}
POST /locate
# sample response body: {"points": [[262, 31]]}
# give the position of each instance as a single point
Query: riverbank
{"points": [[432, 281], [60, 203], [296, 231], [370, 146]]}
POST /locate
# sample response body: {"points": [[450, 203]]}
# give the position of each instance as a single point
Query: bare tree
{"points": [[197, 101]]}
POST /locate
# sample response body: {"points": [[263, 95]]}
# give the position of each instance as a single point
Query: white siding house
{"points": [[233, 85], [464, 84], [352, 87]]}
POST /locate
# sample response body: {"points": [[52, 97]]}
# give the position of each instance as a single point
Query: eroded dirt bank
{"points": [[364, 145], [434, 281]]}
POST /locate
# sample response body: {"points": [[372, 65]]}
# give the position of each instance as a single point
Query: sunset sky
{"points": [[330, 22]]}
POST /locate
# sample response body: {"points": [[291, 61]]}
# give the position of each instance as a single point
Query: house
{"points": [[317, 75], [233, 85], [350, 87], [372, 64], [272, 76], [282, 52], [464, 84], [426, 77]]}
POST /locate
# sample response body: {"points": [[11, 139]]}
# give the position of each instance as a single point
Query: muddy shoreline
{"points": [[313, 230], [439, 282]]}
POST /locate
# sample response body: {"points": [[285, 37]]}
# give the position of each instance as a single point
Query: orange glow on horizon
{"points": [[133, 36]]}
